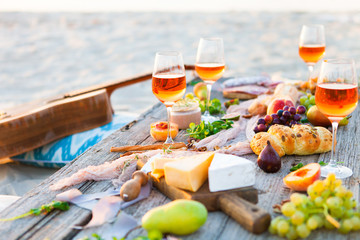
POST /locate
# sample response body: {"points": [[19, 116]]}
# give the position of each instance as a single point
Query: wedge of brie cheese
{"points": [[230, 172]]}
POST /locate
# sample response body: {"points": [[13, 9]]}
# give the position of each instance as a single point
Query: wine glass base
{"points": [[209, 118], [169, 140], [340, 171]]}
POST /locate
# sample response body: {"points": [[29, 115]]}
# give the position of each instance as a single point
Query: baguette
{"points": [[298, 140]]}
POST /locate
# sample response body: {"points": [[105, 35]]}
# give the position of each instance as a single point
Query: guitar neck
{"points": [[111, 87]]}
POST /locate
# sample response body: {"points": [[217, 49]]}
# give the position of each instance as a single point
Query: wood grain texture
{"points": [[57, 225]]}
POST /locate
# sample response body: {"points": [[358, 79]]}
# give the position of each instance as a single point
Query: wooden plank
{"points": [[57, 225]]}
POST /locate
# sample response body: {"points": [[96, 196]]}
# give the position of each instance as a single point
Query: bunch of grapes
{"points": [[328, 204], [307, 100], [287, 116]]}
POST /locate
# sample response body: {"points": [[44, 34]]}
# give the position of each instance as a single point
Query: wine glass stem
{"points": [[311, 69], [207, 111], [168, 139], [335, 125]]}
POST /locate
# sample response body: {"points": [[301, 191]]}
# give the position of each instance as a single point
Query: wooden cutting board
{"points": [[236, 203]]}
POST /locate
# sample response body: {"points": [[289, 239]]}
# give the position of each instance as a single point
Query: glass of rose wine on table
{"points": [[169, 81], [210, 66], [312, 45], [336, 97]]}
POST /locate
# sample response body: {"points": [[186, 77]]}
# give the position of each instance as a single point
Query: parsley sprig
{"points": [[205, 129]]}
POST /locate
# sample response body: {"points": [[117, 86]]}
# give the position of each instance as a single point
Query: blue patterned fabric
{"points": [[60, 152]]}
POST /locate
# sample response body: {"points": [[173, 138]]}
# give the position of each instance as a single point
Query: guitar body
{"points": [[22, 131], [30, 126]]}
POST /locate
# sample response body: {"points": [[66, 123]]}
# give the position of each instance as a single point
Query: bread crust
{"points": [[298, 140]]}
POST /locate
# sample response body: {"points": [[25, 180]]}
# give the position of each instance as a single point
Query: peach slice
{"points": [[302, 178], [158, 130]]}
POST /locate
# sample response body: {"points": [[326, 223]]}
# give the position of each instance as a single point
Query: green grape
{"points": [[303, 99], [345, 226], [349, 194], [337, 212], [303, 231], [292, 234], [312, 223], [312, 100], [320, 219], [354, 203], [338, 182], [348, 203], [272, 228], [155, 235], [306, 104], [298, 199], [334, 202], [274, 223], [283, 227], [356, 223], [326, 193], [288, 209], [340, 191], [297, 218], [319, 201], [349, 213], [310, 191], [318, 186]]}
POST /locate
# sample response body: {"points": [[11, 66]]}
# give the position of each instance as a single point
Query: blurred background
{"points": [[53, 47]]}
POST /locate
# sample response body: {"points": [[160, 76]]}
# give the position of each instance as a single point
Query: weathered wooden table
{"points": [[57, 225]]}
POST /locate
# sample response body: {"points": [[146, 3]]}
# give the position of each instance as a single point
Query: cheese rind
{"points": [[229, 172], [188, 173]]}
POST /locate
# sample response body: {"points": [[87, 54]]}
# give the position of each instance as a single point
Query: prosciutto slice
{"points": [[105, 171], [239, 149], [248, 89]]}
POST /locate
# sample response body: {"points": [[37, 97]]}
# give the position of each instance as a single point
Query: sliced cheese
{"points": [[188, 173], [229, 172], [157, 166]]}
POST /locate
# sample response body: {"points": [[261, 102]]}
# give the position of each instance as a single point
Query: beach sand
{"points": [[45, 54]]}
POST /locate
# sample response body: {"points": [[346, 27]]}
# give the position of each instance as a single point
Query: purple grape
{"points": [[286, 114], [286, 108], [292, 110], [301, 109], [280, 113], [283, 119], [261, 121], [292, 122], [297, 117], [262, 127], [274, 116], [256, 129], [276, 121]]}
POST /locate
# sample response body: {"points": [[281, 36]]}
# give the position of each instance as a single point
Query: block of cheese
{"points": [[157, 166], [190, 172], [229, 172]]}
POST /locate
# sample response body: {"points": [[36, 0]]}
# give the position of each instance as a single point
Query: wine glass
{"points": [[210, 66], [336, 97], [312, 45], [169, 81]]}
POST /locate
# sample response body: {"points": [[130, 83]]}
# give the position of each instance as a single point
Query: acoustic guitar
{"points": [[32, 125]]}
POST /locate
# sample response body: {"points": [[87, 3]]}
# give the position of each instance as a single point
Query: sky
{"points": [[178, 5]]}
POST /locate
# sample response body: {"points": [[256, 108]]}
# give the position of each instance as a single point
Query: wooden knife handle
{"points": [[248, 215]]}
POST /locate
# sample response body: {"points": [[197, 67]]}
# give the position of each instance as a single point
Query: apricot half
{"points": [[302, 178], [158, 130]]}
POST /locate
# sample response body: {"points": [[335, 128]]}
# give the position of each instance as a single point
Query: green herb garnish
{"points": [[43, 209], [204, 130], [214, 108], [296, 167]]}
